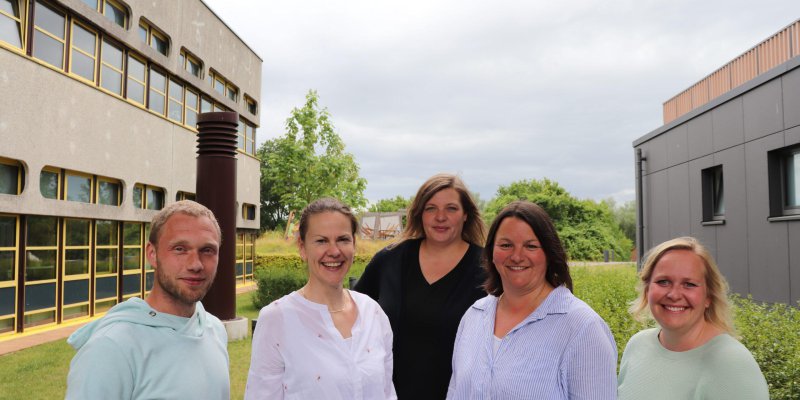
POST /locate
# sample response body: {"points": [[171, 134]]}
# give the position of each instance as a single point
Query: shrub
{"points": [[277, 275], [772, 334]]}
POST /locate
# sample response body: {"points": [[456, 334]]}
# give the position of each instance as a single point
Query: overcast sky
{"points": [[495, 91]]}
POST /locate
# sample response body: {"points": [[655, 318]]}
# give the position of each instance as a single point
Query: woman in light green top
{"points": [[692, 353]]}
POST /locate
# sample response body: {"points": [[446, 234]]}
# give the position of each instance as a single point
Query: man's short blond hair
{"points": [[186, 207]]}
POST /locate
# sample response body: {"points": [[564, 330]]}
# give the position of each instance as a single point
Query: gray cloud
{"points": [[495, 91]]}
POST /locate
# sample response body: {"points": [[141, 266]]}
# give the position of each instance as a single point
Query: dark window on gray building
{"points": [[713, 194], [784, 181]]}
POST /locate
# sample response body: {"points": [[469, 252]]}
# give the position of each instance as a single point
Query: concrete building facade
{"points": [[726, 169], [98, 109]]}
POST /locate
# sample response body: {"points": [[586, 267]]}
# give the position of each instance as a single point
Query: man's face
{"points": [[185, 261]]}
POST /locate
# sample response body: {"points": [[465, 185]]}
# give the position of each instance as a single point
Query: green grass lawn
{"points": [[41, 372]]}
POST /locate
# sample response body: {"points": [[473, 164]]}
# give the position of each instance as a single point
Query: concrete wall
{"points": [[757, 255], [48, 118]]}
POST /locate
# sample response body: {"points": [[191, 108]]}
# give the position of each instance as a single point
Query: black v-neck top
{"points": [[424, 317]]}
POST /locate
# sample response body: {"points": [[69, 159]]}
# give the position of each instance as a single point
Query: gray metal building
{"points": [[98, 109], [725, 168]]}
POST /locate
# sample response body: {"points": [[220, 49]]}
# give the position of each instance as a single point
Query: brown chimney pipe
{"points": [[216, 189]]}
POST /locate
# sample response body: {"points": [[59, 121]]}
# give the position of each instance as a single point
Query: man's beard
{"points": [[172, 287]]}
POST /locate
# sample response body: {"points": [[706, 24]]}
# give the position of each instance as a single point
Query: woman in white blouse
{"points": [[323, 341]]}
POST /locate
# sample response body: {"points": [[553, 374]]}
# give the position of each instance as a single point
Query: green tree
{"points": [[308, 162], [625, 214], [391, 205], [585, 227]]}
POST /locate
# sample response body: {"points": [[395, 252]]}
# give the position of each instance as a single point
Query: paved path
{"points": [[26, 340]]}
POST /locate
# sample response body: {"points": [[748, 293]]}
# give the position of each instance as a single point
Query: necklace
{"points": [[303, 293]]}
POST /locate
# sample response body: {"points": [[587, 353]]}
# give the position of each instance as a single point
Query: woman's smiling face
{"points": [[677, 292]]}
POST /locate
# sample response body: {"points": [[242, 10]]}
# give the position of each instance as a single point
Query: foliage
{"points": [[306, 163], [772, 334], [391, 205], [278, 275], [586, 228], [625, 215], [272, 242]]}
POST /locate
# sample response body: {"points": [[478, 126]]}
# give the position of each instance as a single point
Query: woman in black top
{"points": [[426, 282]]}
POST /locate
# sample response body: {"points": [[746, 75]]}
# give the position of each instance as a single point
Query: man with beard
{"points": [[166, 346]]}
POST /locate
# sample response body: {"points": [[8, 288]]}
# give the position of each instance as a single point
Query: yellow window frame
{"points": [[179, 100], [188, 108], [21, 20], [59, 175], [73, 48], [20, 171], [128, 76], [120, 70], [115, 4], [62, 40], [112, 181], [151, 71], [54, 280], [67, 174]]}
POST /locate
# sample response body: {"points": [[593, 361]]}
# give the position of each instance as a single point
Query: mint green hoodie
{"points": [[135, 352]]}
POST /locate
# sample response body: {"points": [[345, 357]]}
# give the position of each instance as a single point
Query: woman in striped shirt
{"points": [[531, 338]]}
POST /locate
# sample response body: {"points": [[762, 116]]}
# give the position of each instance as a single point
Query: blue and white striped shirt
{"points": [[563, 350]]}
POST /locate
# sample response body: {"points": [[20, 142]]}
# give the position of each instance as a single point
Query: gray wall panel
{"points": [[679, 211], [791, 98], [677, 146], [728, 125], [706, 234], [732, 237], [768, 253], [763, 110], [700, 136], [794, 260], [656, 153], [658, 190]]}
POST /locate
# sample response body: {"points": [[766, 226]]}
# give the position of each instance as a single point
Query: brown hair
{"points": [[536, 217], [325, 204], [187, 207], [718, 313], [473, 231]]}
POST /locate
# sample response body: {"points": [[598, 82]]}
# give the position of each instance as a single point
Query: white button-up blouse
{"points": [[298, 353]]}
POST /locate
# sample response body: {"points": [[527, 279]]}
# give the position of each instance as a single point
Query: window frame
{"points": [[112, 181], [776, 165], [22, 23], [12, 283], [67, 174], [713, 191], [73, 48], [129, 77], [105, 40], [52, 281], [186, 58], [20, 174], [151, 31], [62, 40]]}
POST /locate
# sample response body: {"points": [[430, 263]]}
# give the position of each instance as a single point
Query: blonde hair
{"points": [[718, 313], [187, 207]]}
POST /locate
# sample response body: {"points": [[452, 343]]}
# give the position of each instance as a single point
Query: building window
{"points": [[247, 137], [75, 285], [206, 105], [192, 106], [713, 194], [11, 24], [136, 79], [154, 38], [49, 35], [8, 268], [10, 177], [248, 212], [41, 255], [158, 91], [223, 86], [252, 106], [111, 68], [784, 181], [78, 187], [116, 12], [83, 55], [132, 259], [106, 264], [190, 63], [175, 107], [148, 197], [185, 196], [108, 192], [50, 183]]}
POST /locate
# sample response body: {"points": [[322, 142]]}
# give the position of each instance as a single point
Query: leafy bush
{"points": [[586, 228], [772, 334], [277, 275]]}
